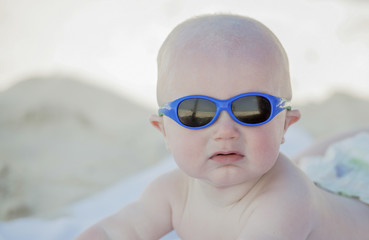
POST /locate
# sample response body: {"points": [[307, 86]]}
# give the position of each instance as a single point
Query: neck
{"points": [[229, 195]]}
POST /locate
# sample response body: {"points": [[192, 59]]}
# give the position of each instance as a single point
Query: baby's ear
{"points": [[157, 122], [292, 116]]}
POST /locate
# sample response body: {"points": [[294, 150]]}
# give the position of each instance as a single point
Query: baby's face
{"points": [[226, 152]]}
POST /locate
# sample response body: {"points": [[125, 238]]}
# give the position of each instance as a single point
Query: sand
{"points": [[62, 140]]}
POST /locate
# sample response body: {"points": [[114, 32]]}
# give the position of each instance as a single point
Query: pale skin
{"points": [[232, 181]]}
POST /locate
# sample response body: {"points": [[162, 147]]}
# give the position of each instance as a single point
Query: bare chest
{"points": [[210, 223]]}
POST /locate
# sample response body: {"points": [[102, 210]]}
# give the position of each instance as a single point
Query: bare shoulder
{"points": [[286, 205], [288, 183], [169, 186]]}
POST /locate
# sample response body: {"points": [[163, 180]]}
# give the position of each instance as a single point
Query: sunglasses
{"points": [[248, 109]]}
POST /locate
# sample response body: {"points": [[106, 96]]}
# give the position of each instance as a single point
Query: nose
{"points": [[225, 128]]}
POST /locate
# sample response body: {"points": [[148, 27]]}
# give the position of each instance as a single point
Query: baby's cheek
{"points": [[186, 149], [265, 151]]}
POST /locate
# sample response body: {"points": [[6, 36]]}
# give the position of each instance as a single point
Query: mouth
{"points": [[227, 157]]}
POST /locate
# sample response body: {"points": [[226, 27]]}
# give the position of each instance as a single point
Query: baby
{"points": [[224, 91]]}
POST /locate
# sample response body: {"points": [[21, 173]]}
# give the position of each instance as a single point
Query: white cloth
{"points": [[344, 169]]}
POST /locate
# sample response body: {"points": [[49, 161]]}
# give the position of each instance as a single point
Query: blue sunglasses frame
{"points": [[277, 105]]}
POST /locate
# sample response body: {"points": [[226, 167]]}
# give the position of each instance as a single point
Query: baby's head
{"points": [[221, 41], [220, 58]]}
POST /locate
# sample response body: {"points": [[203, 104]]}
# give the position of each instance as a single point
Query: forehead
{"points": [[223, 61], [223, 77]]}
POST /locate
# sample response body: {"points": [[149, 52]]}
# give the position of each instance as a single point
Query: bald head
{"points": [[226, 37]]}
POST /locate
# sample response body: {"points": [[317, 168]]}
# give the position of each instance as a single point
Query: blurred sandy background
{"points": [[77, 86]]}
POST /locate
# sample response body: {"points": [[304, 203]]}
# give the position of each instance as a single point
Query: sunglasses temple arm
{"points": [[287, 104], [164, 110]]}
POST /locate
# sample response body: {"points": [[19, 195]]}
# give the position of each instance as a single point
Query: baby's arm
{"points": [[320, 147], [147, 218]]}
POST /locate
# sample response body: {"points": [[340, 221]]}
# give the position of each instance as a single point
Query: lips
{"points": [[227, 157]]}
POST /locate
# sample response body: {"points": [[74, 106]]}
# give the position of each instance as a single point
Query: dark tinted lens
{"points": [[196, 112], [251, 109]]}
